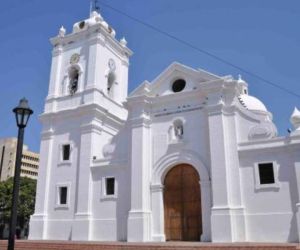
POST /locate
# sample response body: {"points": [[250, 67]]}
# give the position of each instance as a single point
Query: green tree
{"points": [[25, 204]]}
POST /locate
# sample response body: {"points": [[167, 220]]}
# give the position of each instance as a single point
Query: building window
{"points": [[81, 24], [63, 194], [66, 150], [266, 173], [110, 186], [178, 85]]}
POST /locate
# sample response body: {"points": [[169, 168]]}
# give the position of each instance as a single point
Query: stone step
{"points": [[71, 245]]}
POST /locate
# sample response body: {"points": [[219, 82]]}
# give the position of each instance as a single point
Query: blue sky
{"points": [[260, 36]]}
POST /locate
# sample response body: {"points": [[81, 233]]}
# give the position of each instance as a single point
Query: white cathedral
{"points": [[188, 157]]}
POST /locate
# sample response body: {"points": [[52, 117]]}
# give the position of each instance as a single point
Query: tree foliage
{"points": [[26, 200]]}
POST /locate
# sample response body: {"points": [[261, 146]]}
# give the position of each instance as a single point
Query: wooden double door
{"points": [[182, 204]]}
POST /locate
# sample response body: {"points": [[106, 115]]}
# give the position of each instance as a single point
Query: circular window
{"points": [[81, 24], [178, 85]]}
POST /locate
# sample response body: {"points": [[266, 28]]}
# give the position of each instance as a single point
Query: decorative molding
{"points": [[140, 122], [47, 135], [91, 128], [109, 163], [57, 186], [57, 51], [157, 187], [264, 130], [178, 111], [166, 162], [108, 150], [104, 195]]}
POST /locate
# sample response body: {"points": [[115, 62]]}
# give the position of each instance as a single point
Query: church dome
{"points": [[252, 103]]}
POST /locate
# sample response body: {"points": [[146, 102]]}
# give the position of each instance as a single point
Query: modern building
{"points": [[29, 164], [188, 156]]}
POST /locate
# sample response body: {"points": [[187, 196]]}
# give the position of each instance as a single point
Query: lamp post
{"points": [[22, 113]]}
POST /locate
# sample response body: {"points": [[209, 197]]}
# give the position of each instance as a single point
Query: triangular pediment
{"points": [[162, 84]]}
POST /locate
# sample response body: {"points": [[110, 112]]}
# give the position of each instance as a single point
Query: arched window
{"points": [[74, 78], [111, 78]]}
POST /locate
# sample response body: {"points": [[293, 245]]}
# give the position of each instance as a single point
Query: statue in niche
{"points": [[178, 130]]}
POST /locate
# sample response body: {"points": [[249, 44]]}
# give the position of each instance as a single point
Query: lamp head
{"points": [[22, 113]]}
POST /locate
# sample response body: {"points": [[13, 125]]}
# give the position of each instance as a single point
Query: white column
{"points": [[38, 221], [123, 84], [227, 221], [139, 217], [297, 171], [55, 74], [96, 63], [82, 219], [157, 206]]}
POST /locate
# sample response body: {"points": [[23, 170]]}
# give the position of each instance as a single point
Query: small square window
{"points": [[66, 152], [63, 194], [266, 173], [110, 186]]}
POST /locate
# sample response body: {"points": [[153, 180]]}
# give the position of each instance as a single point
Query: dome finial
{"points": [[240, 79], [295, 119], [62, 31], [123, 42]]}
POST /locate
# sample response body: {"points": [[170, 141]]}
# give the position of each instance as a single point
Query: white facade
{"points": [[107, 184]]}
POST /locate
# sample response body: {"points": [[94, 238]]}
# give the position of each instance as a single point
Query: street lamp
{"points": [[22, 113]]}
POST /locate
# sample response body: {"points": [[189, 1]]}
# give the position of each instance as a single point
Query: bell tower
{"points": [[83, 112], [88, 64]]}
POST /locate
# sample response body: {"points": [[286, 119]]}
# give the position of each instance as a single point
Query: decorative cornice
{"points": [[91, 128], [92, 32], [137, 122], [57, 51], [48, 134], [95, 110], [267, 144], [178, 111], [105, 163], [214, 109]]}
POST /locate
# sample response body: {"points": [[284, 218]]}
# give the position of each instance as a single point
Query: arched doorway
{"points": [[182, 204]]}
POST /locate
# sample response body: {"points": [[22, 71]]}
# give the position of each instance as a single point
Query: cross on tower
{"points": [[94, 6]]}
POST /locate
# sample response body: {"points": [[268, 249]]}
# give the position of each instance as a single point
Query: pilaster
{"points": [[227, 224], [157, 207], [297, 172], [55, 74], [81, 229], [205, 187], [93, 76], [38, 221], [139, 217]]}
